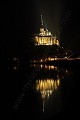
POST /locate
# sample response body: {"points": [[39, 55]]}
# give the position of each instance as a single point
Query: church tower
{"points": [[45, 37]]}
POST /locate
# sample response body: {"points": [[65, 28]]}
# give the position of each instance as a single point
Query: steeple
{"points": [[45, 37], [41, 21]]}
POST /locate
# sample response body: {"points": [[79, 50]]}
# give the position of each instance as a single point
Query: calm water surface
{"points": [[42, 92]]}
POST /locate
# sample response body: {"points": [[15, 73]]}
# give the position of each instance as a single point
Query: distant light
{"points": [[15, 58], [15, 68]]}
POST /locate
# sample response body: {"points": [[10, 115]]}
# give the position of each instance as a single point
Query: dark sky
{"points": [[19, 20]]}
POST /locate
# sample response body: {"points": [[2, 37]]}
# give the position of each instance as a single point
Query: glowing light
{"points": [[46, 87], [41, 60], [46, 67], [15, 68], [45, 37], [15, 58]]}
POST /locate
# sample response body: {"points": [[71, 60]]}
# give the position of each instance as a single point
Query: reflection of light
{"points": [[47, 67], [46, 87]]}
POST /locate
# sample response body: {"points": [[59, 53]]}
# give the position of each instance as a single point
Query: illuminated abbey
{"points": [[45, 37]]}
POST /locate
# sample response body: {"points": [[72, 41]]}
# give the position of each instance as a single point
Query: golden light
{"points": [[46, 87], [45, 38], [46, 67]]}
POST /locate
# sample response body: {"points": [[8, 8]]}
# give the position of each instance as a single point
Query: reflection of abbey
{"points": [[46, 88], [45, 37]]}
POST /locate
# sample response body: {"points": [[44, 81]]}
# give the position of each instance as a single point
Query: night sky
{"points": [[21, 19]]}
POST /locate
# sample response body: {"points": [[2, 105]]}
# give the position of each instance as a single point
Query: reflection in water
{"points": [[46, 87], [47, 81], [44, 66]]}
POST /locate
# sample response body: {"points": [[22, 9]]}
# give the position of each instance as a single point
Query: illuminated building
{"points": [[45, 37]]}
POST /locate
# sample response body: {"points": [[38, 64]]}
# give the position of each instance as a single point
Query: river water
{"points": [[40, 91]]}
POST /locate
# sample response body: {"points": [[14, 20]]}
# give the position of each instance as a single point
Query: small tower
{"points": [[41, 21], [41, 28]]}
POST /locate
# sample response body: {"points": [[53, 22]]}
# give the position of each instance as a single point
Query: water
{"points": [[42, 91]]}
